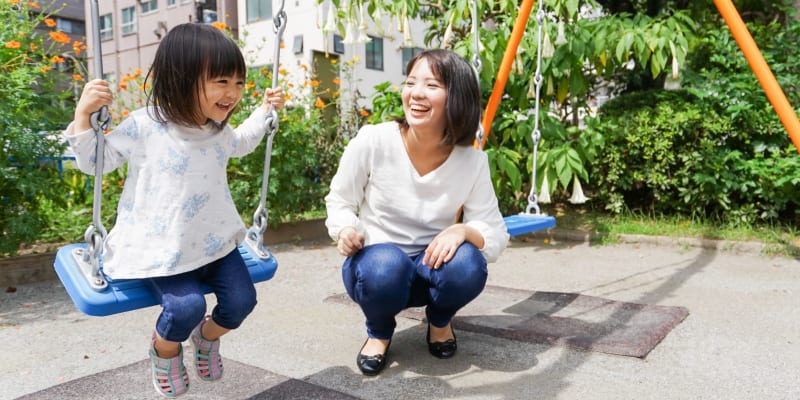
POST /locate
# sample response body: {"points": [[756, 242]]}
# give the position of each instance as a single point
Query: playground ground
{"points": [[739, 340]]}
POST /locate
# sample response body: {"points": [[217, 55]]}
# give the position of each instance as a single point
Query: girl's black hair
{"points": [[189, 54], [463, 94]]}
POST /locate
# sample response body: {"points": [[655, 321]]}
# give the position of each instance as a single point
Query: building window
{"points": [[171, 3], [408, 53], [209, 16], [338, 45], [106, 27], [70, 26], [258, 10], [374, 50], [148, 6], [128, 25]]}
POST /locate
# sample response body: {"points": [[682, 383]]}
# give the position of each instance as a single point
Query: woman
{"points": [[395, 203]]}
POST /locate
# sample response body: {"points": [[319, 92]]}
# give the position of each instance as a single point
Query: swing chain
{"points": [[255, 235], [477, 65], [536, 133], [88, 259]]}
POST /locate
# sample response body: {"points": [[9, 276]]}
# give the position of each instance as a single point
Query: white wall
{"points": [[306, 19]]}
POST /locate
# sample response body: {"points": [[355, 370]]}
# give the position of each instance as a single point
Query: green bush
{"points": [[33, 107], [672, 153]]}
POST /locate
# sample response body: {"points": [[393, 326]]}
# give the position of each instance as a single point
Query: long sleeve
{"points": [[482, 213], [249, 133], [119, 143], [348, 186]]}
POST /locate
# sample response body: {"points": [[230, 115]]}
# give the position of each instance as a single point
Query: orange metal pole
{"points": [[762, 71], [505, 67]]}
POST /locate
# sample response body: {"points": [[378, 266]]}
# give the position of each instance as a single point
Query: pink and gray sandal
{"points": [[169, 375], [207, 360]]}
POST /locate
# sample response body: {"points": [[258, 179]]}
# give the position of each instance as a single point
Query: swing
{"points": [[79, 266], [532, 219]]}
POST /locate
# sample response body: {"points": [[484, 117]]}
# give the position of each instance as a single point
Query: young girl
{"points": [[177, 226]]}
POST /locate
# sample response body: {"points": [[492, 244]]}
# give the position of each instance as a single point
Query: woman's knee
{"points": [[467, 269], [379, 271]]}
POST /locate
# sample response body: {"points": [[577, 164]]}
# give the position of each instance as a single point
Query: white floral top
{"points": [[175, 213]]}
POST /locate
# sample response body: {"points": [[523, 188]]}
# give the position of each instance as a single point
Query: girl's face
{"points": [[425, 99], [218, 97]]}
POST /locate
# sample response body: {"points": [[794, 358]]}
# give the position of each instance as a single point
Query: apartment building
{"points": [[68, 16], [130, 31]]}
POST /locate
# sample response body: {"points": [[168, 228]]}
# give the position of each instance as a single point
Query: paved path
{"points": [[740, 340]]}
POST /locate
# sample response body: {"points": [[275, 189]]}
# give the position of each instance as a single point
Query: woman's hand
{"points": [[275, 98], [444, 246], [95, 95], [350, 241]]}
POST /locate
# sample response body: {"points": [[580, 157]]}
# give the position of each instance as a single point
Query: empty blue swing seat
{"points": [[521, 224], [131, 294]]}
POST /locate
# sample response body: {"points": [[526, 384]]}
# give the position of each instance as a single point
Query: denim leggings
{"points": [[384, 281], [183, 301]]}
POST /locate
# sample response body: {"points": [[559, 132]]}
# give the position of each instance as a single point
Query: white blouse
{"points": [[378, 191]]}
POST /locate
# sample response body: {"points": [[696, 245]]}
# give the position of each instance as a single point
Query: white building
{"points": [[131, 30], [376, 50]]}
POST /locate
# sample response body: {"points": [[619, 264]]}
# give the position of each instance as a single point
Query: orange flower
{"points": [[304, 67], [56, 59], [13, 2], [13, 44], [249, 85], [60, 37], [77, 77], [33, 46], [137, 72], [46, 68], [291, 85], [319, 103], [123, 86], [49, 22], [220, 25], [314, 83], [282, 71], [125, 113], [256, 93], [337, 81], [33, 5], [364, 113], [283, 46]]}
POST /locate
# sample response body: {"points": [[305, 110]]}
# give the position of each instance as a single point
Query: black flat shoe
{"points": [[444, 349], [372, 365]]}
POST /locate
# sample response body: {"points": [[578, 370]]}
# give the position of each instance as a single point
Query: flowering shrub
{"points": [[36, 100]]}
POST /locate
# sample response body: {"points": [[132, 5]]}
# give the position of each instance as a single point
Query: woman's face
{"points": [[218, 97], [425, 99]]}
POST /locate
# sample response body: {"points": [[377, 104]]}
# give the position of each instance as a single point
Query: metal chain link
{"points": [[255, 235], [536, 133], [95, 234], [477, 65]]}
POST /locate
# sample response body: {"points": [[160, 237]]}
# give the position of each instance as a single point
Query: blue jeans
{"points": [[384, 281], [184, 304]]}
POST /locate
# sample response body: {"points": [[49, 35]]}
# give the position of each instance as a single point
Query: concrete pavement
{"points": [[739, 341]]}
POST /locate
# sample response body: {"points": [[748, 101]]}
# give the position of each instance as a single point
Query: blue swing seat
{"points": [[131, 294], [521, 224]]}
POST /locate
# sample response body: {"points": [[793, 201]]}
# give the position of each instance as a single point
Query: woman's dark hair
{"points": [[187, 55], [463, 94]]}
